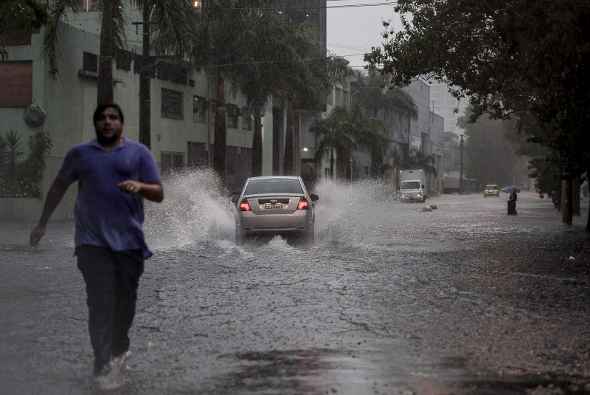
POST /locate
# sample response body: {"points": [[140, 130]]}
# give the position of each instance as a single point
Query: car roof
{"points": [[273, 178], [491, 185]]}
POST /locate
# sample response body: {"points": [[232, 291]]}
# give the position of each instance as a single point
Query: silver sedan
{"points": [[275, 205]]}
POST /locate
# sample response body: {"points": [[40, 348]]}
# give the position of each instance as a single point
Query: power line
{"points": [[352, 5]]}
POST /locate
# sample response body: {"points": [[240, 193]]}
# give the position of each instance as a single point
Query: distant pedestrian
{"points": [[512, 202], [114, 175]]}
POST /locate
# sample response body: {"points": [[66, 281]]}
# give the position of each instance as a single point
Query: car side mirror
{"points": [[234, 197], [314, 197]]}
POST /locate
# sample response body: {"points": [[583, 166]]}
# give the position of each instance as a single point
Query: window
{"points": [[197, 154], [246, 119], [199, 109], [172, 104], [274, 185], [171, 161], [90, 62], [176, 73], [233, 115], [123, 60], [16, 80]]}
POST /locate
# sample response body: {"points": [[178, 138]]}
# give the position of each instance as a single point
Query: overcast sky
{"points": [[354, 30]]}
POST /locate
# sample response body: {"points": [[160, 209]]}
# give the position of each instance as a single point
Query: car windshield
{"points": [[410, 185], [491, 187], [277, 185]]}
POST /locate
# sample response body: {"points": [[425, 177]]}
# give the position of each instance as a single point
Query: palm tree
{"points": [[20, 15], [169, 21], [261, 54], [343, 132], [171, 24]]}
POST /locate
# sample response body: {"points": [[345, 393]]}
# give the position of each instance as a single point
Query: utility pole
{"points": [[145, 113], [461, 164]]}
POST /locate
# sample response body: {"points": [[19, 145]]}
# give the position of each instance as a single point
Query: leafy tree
{"points": [[487, 142], [510, 57], [19, 16], [374, 93], [378, 100], [260, 53], [170, 24], [23, 177], [344, 131], [279, 59]]}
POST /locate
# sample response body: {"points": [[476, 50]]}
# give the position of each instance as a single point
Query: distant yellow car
{"points": [[491, 190]]}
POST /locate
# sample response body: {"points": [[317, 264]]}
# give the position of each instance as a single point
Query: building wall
{"points": [[447, 106], [420, 93], [69, 100]]}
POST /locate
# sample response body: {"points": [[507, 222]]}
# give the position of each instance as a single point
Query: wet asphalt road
{"points": [[389, 300]]}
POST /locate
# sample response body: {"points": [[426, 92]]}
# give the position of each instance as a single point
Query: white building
{"points": [[181, 117]]}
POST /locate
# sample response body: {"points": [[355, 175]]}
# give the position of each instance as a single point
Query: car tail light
{"points": [[303, 204], [245, 206]]}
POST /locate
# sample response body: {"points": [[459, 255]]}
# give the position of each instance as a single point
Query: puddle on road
{"points": [[327, 371]]}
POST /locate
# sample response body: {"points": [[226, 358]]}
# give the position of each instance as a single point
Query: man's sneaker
{"points": [[109, 378], [120, 362]]}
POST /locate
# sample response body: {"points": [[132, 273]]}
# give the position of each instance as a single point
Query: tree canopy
{"points": [[509, 57]]}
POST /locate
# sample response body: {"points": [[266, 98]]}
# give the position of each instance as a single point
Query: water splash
{"points": [[196, 208], [343, 213]]}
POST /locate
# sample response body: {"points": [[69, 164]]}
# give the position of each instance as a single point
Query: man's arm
{"points": [[150, 191], [54, 196]]}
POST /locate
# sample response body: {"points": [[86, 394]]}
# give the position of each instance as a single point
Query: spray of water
{"points": [[196, 208], [345, 211]]}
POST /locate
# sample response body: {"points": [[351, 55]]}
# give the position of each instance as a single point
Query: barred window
{"points": [[171, 161], [246, 119], [200, 106], [123, 59], [90, 62], [172, 104], [233, 115]]}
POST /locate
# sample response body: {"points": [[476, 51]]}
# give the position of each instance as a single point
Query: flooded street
{"points": [[390, 299]]}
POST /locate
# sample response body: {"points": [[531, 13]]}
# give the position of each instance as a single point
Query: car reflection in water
{"points": [[275, 205]]}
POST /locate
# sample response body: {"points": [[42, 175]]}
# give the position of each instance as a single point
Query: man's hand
{"points": [[130, 186], [36, 234], [150, 191]]}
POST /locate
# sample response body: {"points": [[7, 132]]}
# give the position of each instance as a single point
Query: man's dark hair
{"points": [[100, 108]]}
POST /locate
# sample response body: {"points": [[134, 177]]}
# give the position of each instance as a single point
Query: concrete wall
{"points": [[420, 93], [70, 100]]}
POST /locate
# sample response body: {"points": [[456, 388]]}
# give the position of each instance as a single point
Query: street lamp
{"points": [[461, 164]]}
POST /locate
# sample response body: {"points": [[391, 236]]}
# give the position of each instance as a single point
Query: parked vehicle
{"points": [[412, 185], [491, 190], [275, 205]]}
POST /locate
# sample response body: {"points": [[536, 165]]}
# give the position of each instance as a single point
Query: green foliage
{"points": [[509, 57], [344, 131], [264, 53], [19, 16], [22, 178], [375, 94]]}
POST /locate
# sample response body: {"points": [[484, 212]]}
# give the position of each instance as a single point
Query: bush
{"points": [[23, 178]]}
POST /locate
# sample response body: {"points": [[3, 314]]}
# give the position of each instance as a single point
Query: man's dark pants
{"points": [[111, 280]]}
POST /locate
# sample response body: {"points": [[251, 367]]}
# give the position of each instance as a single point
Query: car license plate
{"points": [[273, 205]]}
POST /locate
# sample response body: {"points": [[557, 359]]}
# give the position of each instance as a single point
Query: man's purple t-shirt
{"points": [[105, 215]]}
